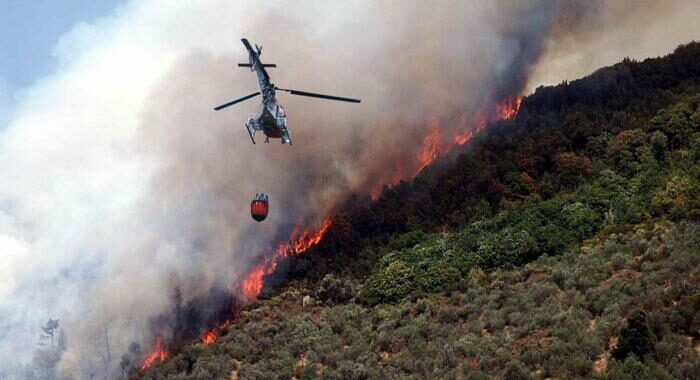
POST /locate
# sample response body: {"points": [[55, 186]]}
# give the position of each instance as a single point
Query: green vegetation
{"points": [[557, 316], [564, 244]]}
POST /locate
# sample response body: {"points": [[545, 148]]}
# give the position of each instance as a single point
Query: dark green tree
{"points": [[635, 338]]}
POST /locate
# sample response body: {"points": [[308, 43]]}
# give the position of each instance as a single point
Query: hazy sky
{"points": [[119, 183], [29, 30]]}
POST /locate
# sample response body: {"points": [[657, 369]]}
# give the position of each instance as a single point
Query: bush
{"points": [[572, 167], [515, 370], [505, 248], [635, 338], [439, 278], [392, 284], [334, 290]]}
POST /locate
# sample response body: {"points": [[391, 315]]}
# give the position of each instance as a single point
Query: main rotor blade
{"points": [[314, 95], [236, 101]]}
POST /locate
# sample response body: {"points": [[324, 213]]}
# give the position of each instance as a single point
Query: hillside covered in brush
{"points": [[561, 244]]}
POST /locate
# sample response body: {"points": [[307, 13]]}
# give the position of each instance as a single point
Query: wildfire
{"points": [[253, 284], [158, 354], [212, 335], [431, 146], [434, 144], [299, 243], [464, 138], [308, 239], [509, 108]]}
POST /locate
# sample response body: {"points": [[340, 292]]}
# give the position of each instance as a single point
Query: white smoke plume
{"points": [[119, 184]]}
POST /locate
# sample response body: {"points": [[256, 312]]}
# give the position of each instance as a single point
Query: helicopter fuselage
{"points": [[271, 118]]}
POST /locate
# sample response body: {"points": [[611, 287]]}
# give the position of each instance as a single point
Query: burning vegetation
{"points": [[299, 242], [253, 284], [175, 206], [159, 354], [212, 335], [533, 212], [435, 145]]}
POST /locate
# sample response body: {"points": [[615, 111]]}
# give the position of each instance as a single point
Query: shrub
{"points": [[515, 370], [395, 282], [334, 290], [505, 248], [439, 278], [635, 338], [572, 167]]}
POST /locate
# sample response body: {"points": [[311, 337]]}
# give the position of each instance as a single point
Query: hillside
{"points": [[561, 244]]}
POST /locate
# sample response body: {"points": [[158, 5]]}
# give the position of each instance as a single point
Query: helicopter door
{"points": [[279, 111]]}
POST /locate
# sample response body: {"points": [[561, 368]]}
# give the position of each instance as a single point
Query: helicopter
{"points": [[270, 117]]}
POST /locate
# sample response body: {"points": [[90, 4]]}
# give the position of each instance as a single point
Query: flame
{"points": [[158, 354], [212, 335], [509, 108], [431, 146], [300, 242], [464, 138], [309, 239], [253, 284], [434, 145]]}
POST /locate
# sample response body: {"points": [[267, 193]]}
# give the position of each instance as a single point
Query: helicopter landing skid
{"points": [[285, 137], [251, 132]]}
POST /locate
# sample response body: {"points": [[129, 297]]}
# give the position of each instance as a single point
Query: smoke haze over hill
{"points": [[120, 184]]}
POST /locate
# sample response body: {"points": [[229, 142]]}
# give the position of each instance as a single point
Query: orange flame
{"points": [[159, 354], [212, 335], [464, 138], [435, 146], [309, 239], [509, 108], [431, 146], [252, 285]]}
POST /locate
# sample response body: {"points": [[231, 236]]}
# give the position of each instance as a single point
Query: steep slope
{"points": [[561, 244], [555, 317]]}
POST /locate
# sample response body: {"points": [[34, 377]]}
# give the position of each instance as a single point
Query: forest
{"points": [[563, 243]]}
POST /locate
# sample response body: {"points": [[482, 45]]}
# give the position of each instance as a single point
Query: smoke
{"points": [[622, 28], [121, 187]]}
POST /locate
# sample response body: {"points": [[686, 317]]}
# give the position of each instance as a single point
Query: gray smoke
{"points": [[120, 184]]}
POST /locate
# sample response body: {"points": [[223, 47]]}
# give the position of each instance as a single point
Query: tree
{"points": [[635, 338], [46, 358], [395, 282], [571, 167], [50, 330]]}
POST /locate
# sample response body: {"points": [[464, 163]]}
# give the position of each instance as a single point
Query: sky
{"points": [[29, 30]]}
